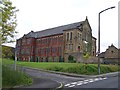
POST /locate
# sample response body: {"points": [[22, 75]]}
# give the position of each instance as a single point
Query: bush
{"points": [[71, 59], [55, 68]]}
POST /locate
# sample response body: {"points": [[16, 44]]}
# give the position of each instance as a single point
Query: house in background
{"points": [[110, 56], [57, 44]]}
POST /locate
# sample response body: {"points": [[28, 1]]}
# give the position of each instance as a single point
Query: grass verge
{"points": [[77, 68], [11, 78]]}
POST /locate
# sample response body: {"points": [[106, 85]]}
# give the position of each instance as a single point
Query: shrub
{"points": [[71, 59], [86, 56], [55, 68]]}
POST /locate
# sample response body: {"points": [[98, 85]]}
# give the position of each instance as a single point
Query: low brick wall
{"points": [[90, 60]]}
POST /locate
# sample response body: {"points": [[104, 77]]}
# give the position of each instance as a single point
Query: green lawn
{"points": [[77, 68]]}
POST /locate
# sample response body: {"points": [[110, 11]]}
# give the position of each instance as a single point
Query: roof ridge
{"points": [[58, 26], [54, 30]]}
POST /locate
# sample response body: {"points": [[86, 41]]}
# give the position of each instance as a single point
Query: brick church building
{"points": [[56, 44]]}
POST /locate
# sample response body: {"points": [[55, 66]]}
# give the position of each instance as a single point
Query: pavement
{"points": [[41, 84]]}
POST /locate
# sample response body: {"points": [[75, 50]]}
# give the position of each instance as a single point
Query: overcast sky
{"points": [[38, 15]]}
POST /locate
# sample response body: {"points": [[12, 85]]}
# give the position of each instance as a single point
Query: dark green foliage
{"points": [[71, 70], [8, 52], [88, 69], [55, 68], [8, 23], [71, 59]]}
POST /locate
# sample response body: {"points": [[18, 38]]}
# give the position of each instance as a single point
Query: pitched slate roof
{"points": [[53, 31], [101, 55]]}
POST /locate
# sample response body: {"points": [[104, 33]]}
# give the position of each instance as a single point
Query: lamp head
{"points": [[112, 7]]}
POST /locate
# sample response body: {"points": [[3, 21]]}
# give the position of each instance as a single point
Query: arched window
{"points": [[70, 35], [67, 36], [78, 48]]}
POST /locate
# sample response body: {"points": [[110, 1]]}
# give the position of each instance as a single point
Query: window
{"points": [[60, 39], [112, 52], [46, 40], [66, 47], [36, 51], [78, 48], [48, 50], [70, 35], [93, 53], [67, 36], [27, 51], [42, 51], [41, 41], [53, 50], [49, 40], [60, 50], [70, 46], [80, 37]]}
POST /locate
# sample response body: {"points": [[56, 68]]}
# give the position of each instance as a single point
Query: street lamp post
{"points": [[15, 58], [99, 36]]}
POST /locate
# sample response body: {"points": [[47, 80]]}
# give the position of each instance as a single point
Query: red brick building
{"points": [[56, 44]]}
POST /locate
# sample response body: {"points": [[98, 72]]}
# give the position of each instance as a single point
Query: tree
{"points": [[8, 21], [7, 52]]}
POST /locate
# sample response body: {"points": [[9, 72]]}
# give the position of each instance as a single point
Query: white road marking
{"points": [[84, 82], [100, 78], [104, 78], [79, 83], [91, 80], [74, 83], [71, 86], [96, 79], [67, 85]]}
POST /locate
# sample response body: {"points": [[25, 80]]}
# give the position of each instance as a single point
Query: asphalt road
{"points": [[111, 82], [51, 76], [51, 80]]}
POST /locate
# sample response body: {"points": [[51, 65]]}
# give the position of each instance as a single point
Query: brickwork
{"points": [[56, 44]]}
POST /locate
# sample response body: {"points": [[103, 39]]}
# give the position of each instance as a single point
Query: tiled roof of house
{"points": [[53, 31]]}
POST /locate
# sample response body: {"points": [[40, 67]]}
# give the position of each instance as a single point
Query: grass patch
{"points": [[0, 72], [77, 68], [11, 78]]}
